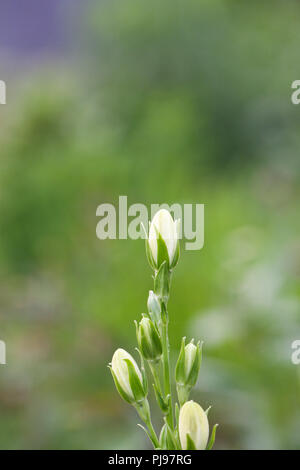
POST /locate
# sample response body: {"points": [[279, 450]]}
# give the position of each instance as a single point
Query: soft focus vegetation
{"points": [[162, 103]]}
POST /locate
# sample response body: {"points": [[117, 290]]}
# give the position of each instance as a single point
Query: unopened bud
{"points": [[127, 376], [187, 368], [154, 307], [163, 241], [149, 340], [193, 427]]}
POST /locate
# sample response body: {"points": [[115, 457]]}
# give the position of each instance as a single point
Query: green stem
{"points": [[144, 412], [166, 364], [152, 434], [155, 373]]}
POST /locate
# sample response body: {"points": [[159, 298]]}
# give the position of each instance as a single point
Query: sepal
{"points": [[180, 366], [137, 388], [162, 250], [149, 341], [162, 282], [194, 372], [154, 308], [119, 388], [149, 255], [212, 438], [176, 256], [143, 371], [190, 443]]}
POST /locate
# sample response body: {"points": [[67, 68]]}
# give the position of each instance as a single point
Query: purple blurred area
{"points": [[37, 27]]}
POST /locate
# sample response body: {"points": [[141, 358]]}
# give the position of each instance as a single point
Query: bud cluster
{"points": [[190, 429]]}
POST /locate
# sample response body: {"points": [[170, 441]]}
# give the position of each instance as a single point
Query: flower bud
{"points": [[163, 241], [154, 307], [188, 364], [193, 427], [149, 340], [128, 377]]}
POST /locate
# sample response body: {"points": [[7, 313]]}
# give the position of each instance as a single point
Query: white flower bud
{"points": [[193, 422], [164, 239], [190, 356], [154, 307], [121, 374], [187, 368]]}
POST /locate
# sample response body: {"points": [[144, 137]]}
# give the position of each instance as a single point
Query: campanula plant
{"points": [[185, 426]]}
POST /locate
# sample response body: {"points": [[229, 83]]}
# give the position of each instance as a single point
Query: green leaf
{"points": [[212, 438], [164, 405], [148, 434], [166, 439]]}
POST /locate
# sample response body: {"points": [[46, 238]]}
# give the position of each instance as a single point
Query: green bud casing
{"points": [[149, 340], [154, 308], [187, 369], [188, 364]]}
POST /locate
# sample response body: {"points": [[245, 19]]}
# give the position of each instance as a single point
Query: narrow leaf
{"points": [[148, 434], [212, 438]]}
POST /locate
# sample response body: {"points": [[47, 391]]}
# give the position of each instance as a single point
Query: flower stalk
{"points": [[190, 429]]}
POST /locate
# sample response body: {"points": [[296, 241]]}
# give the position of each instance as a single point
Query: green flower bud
{"points": [[154, 307], [163, 241], [187, 368], [188, 364], [193, 427], [149, 340], [128, 377]]}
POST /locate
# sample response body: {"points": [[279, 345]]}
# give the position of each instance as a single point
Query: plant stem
{"points": [[144, 412], [166, 364], [152, 433], [155, 373]]}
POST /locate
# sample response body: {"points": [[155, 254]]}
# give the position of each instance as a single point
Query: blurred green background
{"points": [[168, 101]]}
